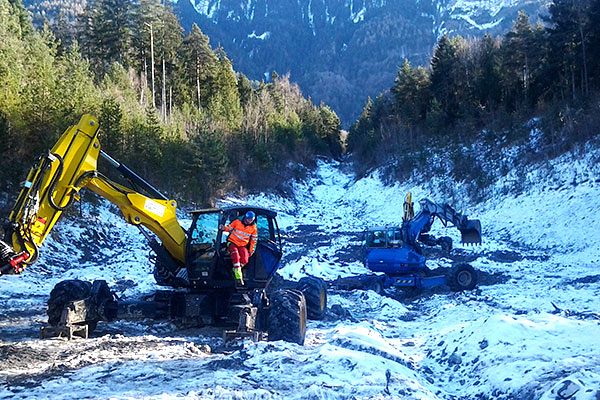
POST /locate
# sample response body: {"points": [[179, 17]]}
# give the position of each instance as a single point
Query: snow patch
{"points": [[262, 36]]}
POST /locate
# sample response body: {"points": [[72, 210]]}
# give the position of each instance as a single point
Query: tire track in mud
{"points": [[26, 364]]}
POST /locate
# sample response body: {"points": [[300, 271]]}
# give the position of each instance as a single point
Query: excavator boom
{"points": [[54, 183], [470, 229], [416, 225]]}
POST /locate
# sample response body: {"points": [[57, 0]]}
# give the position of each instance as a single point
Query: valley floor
{"points": [[529, 332]]}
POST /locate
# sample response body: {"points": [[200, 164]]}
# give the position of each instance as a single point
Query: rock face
{"points": [[341, 51]]}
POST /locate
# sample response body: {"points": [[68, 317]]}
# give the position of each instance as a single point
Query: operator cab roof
{"points": [[238, 209]]}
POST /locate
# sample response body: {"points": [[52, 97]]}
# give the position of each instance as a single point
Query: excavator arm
{"points": [[470, 229], [54, 183]]}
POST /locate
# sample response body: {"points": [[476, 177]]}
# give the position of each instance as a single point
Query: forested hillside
{"points": [[480, 97], [170, 105], [338, 51]]}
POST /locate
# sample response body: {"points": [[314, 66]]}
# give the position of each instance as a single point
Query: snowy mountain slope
{"points": [[504, 340], [341, 51]]}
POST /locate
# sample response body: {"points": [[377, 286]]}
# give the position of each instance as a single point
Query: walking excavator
{"points": [[193, 262], [396, 252]]}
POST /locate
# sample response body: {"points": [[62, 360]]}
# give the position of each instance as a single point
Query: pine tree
{"points": [[146, 138], [411, 91], [516, 62], [488, 75], [107, 33], [13, 60], [197, 68], [245, 90], [362, 130], [445, 84], [76, 81], [224, 103], [330, 129], [568, 36], [40, 96], [593, 30], [204, 159], [157, 30], [110, 119], [21, 14]]}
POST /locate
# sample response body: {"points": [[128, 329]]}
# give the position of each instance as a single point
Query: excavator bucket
{"points": [[471, 232]]}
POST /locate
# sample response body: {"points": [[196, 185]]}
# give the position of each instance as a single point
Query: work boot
{"points": [[239, 282], [239, 277]]}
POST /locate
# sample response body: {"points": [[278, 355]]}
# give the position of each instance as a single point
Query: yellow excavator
{"points": [[194, 260]]}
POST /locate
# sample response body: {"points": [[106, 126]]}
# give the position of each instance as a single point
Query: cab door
{"points": [[265, 261], [202, 248]]}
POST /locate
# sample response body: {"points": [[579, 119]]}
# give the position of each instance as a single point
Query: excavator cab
{"points": [[209, 264]]}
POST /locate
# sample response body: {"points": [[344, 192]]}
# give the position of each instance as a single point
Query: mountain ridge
{"points": [[346, 50], [338, 51]]}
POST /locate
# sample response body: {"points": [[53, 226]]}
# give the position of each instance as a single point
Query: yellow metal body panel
{"points": [[409, 210], [33, 213], [51, 186], [157, 215]]}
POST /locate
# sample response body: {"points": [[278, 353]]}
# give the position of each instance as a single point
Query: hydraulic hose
{"points": [[53, 184]]}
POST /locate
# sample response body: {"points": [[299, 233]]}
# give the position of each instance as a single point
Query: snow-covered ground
{"points": [[502, 341]]}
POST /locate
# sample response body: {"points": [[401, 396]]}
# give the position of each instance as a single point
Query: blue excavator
{"points": [[396, 253]]}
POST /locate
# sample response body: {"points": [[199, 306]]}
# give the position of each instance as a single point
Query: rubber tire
{"points": [[372, 282], [377, 287], [315, 293], [287, 317], [64, 292], [462, 277]]}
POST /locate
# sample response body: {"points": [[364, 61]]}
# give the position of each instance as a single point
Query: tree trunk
{"points": [[163, 105], [152, 60], [585, 82], [198, 81], [573, 82], [144, 83]]}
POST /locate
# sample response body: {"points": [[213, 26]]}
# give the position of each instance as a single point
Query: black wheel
{"points": [[315, 292], [445, 243], [462, 277], [287, 317], [377, 287], [65, 292], [372, 282]]}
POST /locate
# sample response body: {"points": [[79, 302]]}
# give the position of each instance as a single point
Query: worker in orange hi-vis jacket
{"points": [[241, 243]]}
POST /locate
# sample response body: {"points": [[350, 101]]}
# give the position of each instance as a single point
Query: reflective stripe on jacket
{"points": [[241, 235]]}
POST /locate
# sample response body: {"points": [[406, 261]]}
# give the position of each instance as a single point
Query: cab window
{"points": [[264, 230], [376, 239], [205, 229], [395, 237]]}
